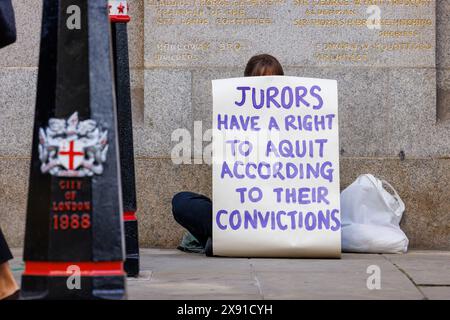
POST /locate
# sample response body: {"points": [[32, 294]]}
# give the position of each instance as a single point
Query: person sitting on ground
{"points": [[9, 289], [194, 211]]}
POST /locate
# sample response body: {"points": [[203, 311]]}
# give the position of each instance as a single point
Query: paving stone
{"points": [[425, 268], [436, 293]]}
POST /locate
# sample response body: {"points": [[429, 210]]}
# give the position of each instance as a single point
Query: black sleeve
{"points": [[5, 253], [7, 23]]}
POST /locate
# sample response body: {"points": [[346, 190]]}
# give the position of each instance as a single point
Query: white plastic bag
{"points": [[371, 216]]}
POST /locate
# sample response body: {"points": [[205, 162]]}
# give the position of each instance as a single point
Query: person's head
{"points": [[263, 65]]}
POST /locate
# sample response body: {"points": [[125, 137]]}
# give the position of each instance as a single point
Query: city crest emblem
{"points": [[72, 148]]}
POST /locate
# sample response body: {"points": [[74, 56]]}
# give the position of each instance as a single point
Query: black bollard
{"points": [[118, 10], [74, 242]]}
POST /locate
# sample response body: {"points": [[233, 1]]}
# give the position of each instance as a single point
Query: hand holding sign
{"points": [[276, 167]]}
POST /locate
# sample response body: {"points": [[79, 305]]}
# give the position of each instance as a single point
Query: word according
{"points": [[278, 170]]}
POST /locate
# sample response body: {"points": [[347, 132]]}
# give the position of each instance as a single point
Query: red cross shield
{"points": [[71, 154]]}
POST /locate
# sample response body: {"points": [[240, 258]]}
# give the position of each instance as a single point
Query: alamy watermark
{"points": [[374, 20], [374, 280], [74, 280]]}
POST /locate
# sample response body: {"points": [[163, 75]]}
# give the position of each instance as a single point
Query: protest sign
{"points": [[276, 167]]}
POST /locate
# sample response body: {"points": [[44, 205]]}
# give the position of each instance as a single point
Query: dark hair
{"points": [[263, 65]]}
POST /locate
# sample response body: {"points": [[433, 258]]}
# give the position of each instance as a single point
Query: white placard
{"points": [[276, 167]]}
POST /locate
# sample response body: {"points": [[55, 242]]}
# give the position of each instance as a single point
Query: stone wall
{"points": [[394, 98]]}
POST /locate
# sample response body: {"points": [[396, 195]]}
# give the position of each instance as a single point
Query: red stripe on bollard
{"points": [[62, 269], [129, 216], [119, 18]]}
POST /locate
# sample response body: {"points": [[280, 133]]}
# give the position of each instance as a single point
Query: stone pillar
{"points": [[74, 224], [443, 60], [118, 10]]}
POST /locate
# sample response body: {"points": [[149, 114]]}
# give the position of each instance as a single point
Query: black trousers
{"points": [[7, 23], [194, 212], [5, 253]]}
